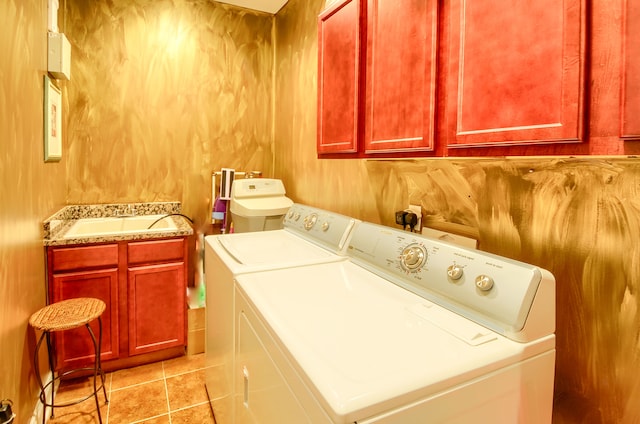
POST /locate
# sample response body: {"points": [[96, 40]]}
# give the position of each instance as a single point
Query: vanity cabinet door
{"points": [[515, 73], [401, 75], [338, 77], [156, 307], [74, 347]]}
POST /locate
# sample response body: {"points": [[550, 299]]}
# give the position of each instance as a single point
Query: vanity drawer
{"points": [[156, 251], [69, 258]]}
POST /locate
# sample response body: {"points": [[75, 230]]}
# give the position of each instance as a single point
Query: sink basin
{"points": [[92, 227]]}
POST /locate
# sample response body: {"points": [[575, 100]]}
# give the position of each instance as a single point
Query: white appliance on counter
{"points": [[310, 235], [258, 204], [410, 330]]}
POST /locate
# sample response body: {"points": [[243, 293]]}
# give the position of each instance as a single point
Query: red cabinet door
{"points": [[157, 307], [515, 72], [630, 121], [401, 75], [338, 77], [74, 347]]}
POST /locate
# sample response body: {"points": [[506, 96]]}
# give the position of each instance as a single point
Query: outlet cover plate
{"points": [[450, 238]]}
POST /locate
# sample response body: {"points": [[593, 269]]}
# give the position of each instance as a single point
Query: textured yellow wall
{"points": [[162, 93], [30, 190], [579, 218]]}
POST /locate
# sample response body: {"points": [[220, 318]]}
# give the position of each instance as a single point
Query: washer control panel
{"points": [[494, 291], [328, 229]]}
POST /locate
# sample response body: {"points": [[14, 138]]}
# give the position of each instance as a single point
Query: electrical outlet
{"points": [[417, 209]]}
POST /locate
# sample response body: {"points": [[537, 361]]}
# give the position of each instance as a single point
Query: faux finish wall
{"points": [[30, 190], [579, 218], [162, 93]]}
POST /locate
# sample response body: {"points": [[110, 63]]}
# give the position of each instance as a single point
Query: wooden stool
{"points": [[65, 315]]}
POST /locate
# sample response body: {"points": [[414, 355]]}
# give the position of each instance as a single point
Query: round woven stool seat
{"points": [[67, 314]]}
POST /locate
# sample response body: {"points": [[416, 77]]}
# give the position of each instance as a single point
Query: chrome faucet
{"points": [[126, 211]]}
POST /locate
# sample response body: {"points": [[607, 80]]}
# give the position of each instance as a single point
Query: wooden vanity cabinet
{"points": [[143, 284]]}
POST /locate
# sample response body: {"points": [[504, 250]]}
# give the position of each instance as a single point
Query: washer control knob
{"points": [[413, 257], [484, 282], [310, 221], [325, 226], [455, 272]]}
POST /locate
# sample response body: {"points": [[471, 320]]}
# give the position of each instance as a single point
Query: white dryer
{"points": [[309, 235], [410, 330]]}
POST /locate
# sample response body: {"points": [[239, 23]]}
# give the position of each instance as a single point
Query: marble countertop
{"points": [[56, 226]]}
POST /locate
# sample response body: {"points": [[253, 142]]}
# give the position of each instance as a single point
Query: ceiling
{"points": [[269, 6]]}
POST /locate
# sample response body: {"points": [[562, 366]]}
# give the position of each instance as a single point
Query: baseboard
{"points": [[38, 410]]}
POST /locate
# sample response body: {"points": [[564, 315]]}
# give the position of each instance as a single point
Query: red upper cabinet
{"points": [[630, 120], [515, 72], [338, 77], [400, 75]]}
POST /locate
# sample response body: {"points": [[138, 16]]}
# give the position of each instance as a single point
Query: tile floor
{"points": [[166, 392]]}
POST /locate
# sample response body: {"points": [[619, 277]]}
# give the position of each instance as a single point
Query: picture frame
{"points": [[52, 121]]}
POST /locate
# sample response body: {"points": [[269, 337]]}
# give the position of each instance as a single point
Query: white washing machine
{"points": [[309, 235], [410, 330]]}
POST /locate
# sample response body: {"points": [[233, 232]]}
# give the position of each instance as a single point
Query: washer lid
{"points": [[256, 251], [364, 345]]}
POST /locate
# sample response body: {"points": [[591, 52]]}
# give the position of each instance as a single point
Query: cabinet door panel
{"points": [[516, 77], [338, 76], [157, 307], [401, 72], [74, 347], [630, 125]]}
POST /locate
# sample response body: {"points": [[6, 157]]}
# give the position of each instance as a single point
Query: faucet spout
{"points": [[127, 212]]}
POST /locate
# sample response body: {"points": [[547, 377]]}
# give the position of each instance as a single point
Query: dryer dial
{"points": [[484, 282], [455, 272], [310, 221], [413, 257]]}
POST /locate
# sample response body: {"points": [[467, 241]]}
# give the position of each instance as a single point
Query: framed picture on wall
{"points": [[52, 121]]}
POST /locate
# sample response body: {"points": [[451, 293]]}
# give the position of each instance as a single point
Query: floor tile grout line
{"points": [[110, 378], [166, 392], [149, 418], [137, 384], [190, 406]]}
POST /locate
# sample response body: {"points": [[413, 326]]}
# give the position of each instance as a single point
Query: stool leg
{"points": [[99, 359], [53, 388], [36, 366], [95, 371]]}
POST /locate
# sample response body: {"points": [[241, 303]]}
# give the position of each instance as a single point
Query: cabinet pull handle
{"points": [[245, 375]]}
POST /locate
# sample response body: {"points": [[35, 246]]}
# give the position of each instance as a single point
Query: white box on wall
{"points": [[59, 60], [52, 16]]}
